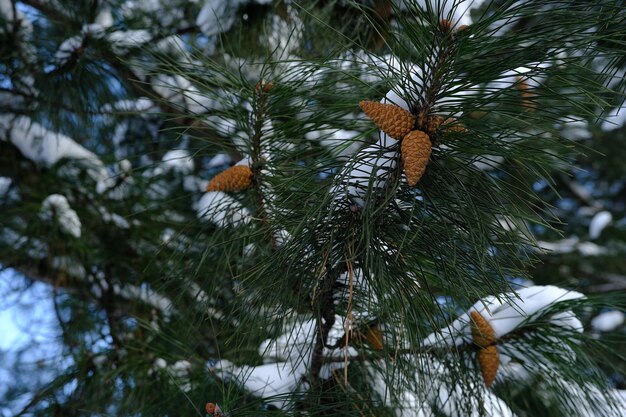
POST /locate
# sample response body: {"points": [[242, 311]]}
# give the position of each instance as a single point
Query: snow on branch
{"points": [[44, 146], [507, 312], [55, 207], [287, 362]]}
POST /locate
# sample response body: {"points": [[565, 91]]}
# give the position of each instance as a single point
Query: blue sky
{"points": [[28, 323]]}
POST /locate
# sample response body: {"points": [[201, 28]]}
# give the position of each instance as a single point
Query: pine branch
{"points": [[325, 309], [52, 13]]}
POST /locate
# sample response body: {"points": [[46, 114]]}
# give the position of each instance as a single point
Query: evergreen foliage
{"points": [[216, 220]]}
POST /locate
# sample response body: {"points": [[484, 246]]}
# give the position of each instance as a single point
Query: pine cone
{"points": [[527, 96], [391, 119], [374, 338], [214, 410], [416, 148], [489, 360], [433, 124], [482, 332], [451, 125], [235, 178]]}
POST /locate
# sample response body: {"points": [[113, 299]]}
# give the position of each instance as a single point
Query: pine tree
{"points": [[316, 208]]}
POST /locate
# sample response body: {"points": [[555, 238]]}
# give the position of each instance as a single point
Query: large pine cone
{"points": [[235, 178], [416, 148], [391, 119]]}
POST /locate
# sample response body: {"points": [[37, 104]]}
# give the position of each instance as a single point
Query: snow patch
{"points": [[507, 312], [123, 40], [366, 173], [221, 209], [615, 119], [600, 221], [68, 48], [608, 321], [179, 91], [43, 146], [56, 207], [177, 160], [5, 183]]}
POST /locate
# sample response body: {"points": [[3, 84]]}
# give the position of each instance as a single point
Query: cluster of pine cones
{"points": [[484, 337], [416, 145]]}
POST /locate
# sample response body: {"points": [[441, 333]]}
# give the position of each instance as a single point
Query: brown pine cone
{"points": [[416, 148], [482, 332], [489, 360], [451, 125], [527, 96], [235, 178], [391, 119], [433, 124], [374, 338]]}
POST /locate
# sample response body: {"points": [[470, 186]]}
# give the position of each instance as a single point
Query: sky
{"points": [[27, 324]]}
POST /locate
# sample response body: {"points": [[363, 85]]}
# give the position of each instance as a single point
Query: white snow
{"points": [[487, 162], [607, 321], [457, 12], [340, 141], [294, 344], [6, 10], [573, 128], [219, 160], [194, 184], [104, 18], [179, 91], [69, 265], [125, 166], [273, 381], [570, 245], [122, 40], [67, 48], [180, 368], [41, 145], [601, 220], [140, 105], [56, 207], [221, 209], [615, 119], [507, 312], [93, 30], [433, 387], [285, 35], [114, 218], [289, 358], [5, 183], [216, 16], [281, 237], [452, 402], [144, 294], [159, 363], [399, 95], [177, 160], [367, 171]]}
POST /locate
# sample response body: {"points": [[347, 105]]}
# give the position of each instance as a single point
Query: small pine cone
{"points": [[235, 178], [451, 126], [433, 124], [391, 119], [374, 338], [445, 26], [527, 96], [482, 332], [416, 148], [489, 360]]}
